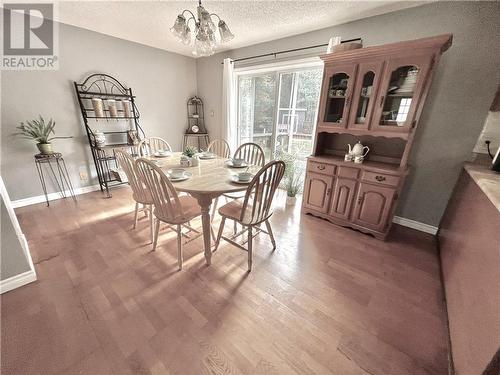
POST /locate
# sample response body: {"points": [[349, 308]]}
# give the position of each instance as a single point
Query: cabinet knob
{"points": [[321, 167], [380, 178], [329, 191], [360, 199]]}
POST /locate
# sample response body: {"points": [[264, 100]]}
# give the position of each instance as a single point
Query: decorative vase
{"points": [[45, 148], [291, 200], [99, 138], [98, 107], [126, 108], [194, 161], [185, 161], [113, 112]]}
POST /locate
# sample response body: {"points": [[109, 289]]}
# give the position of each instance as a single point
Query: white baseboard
{"points": [[422, 227], [17, 281], [53, 196]]}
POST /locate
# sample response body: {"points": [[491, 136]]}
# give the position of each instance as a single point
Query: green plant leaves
{"points": [[37, 130]]}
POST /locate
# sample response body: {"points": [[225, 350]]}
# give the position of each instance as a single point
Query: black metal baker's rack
{"points": [[105, 87]]}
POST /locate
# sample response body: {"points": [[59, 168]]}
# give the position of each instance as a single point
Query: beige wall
{"points": [[457, 105], [470, 255], [162, 82]]}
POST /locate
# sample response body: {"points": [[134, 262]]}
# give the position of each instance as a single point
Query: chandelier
{"points": [[204, 31]]}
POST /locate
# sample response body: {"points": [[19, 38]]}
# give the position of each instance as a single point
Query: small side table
{"points": [[54, 161]]}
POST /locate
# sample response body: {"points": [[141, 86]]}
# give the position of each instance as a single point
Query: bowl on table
{"points": [[238, 162], [244, 176], [176, 173]]}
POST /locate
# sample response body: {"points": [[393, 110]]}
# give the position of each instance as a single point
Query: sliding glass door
{"points": [[278, 109]]}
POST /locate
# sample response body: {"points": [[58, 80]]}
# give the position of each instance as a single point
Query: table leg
{"points": [[205, 203]]}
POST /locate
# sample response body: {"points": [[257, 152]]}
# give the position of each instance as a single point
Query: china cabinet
{"points": [[374, 95]]}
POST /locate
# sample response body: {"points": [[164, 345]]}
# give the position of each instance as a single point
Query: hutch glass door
{"points": [[338, 84], [400, 93], [367, 81]]}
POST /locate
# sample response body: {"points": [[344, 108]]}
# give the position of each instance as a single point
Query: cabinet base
{"points": [[378, 235]]}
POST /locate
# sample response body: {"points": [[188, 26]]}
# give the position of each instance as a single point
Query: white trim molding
{"points": [[17, 281], [30, 275], [54, 196], [422, 227]]}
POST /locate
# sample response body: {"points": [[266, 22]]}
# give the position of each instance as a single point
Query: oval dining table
{"points": [[209, 180]]}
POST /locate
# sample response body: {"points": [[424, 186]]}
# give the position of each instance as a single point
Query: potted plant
{"points": [[294, 185], [189, 154], [39, 131], [292, 180]]}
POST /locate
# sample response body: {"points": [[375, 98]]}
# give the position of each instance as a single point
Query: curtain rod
{"points": [[290, 50]]}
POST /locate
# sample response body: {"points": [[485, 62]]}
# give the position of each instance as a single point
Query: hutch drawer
{"points": [[348, 172], [379, 178], [323, 168]]}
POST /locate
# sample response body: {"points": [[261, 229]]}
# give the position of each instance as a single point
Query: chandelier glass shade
{"points": [[203, 36]]}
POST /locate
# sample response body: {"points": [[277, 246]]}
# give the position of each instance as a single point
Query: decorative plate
{"points": [[162, 155], [207, 156]]}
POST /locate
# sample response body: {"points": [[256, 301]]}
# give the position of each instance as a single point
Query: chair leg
{"points": [[219, 235], [235, 228], [145, 210], [214, 208], [179, 246], [156, 231], [136, 214], [250, 243], [271, 234], [151, 231]]}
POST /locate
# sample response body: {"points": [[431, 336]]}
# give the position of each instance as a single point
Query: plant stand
{"points": [[55, 162]]}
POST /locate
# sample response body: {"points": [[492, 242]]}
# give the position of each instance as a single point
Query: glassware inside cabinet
{"points": [[399, 96], [364, 98], [337, 98]]}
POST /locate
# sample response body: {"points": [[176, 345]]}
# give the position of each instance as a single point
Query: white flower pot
{"points": [[290, 200]]}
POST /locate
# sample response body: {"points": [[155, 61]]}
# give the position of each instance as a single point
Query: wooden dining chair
{"points": [[149, 146], [140, 193], [220, 148], [168, 207], [252, 153], [256, 207]]}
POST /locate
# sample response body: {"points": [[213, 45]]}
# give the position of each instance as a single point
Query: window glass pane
{"points": [[257, 97], [290, 127]]}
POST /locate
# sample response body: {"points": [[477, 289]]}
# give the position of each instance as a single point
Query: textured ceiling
{"points": [[251, 22]]}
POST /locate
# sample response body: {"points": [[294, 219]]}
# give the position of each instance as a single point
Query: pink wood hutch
{"points": [[374, 95]]}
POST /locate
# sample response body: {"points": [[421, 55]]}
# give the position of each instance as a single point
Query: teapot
{"points": [[358, 149]]}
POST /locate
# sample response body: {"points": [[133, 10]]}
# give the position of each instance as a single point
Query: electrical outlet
{"points": [[84, 176]]}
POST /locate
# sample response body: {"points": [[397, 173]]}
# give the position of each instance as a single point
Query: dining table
{"points": [[208, 180]]}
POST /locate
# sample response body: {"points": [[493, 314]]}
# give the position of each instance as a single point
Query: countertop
{"points": [[487, 180]]}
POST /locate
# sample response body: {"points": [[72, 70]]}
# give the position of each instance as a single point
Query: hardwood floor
{"points": [[329, 300]]}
